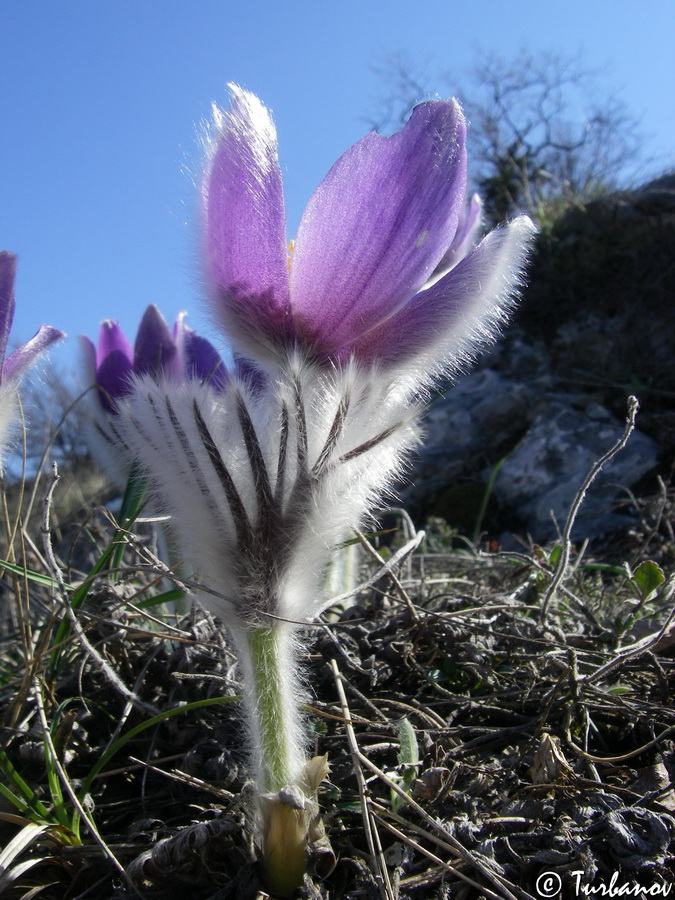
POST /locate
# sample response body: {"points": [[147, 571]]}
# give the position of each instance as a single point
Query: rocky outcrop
{"points": [[596, 325], [542, 476], [602, 289]]}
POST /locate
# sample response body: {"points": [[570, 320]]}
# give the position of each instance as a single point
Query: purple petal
{"points": [[249, 372], [466, 237], [114, 379], [113, 363], [24, 356], [202, 361], [245, 367], [440, 326], [7, 276], [245, 232], [378, 225], [155, 351], [106, 396], [111, 339], [197, 357]]}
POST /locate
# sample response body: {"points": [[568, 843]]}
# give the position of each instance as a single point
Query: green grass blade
{"points": [[132, 504], [174, 595], [28, 802], [37, 577]]}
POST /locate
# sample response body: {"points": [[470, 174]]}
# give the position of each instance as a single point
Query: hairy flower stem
{"points": [[274, 702], [272, 697]]}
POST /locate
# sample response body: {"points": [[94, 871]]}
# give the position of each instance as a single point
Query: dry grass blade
{"points": [[463, 658], [67, 784], [386, 567], [563, 562], [436, 859], [378, 862], [639, 647], [365, 543], [110, 674], [456, 848], [184, 778]]}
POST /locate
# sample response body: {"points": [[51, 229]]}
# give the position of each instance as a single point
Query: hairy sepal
{"points": [[261, 485], [9, 406], [438, 334], [107, 446]]}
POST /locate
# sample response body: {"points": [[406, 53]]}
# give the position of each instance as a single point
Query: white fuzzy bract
{"points": [[263, 482], [9, 406]]}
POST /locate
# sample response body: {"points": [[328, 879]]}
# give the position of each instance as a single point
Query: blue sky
{"points": [[101, 102]]}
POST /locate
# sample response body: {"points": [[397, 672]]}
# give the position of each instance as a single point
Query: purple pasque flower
{"points": [[362, 279], [14, 366], [174, 354], [383, 292], [178, 353]]}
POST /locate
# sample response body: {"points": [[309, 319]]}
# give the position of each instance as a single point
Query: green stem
{"points": [[273, 700], [274, 706]]}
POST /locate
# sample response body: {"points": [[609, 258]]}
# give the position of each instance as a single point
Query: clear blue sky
{"points": [[101, 100]]}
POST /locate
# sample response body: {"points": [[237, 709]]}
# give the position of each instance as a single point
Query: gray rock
{"points": [[466, 426], [595, 324], [542, 476]]}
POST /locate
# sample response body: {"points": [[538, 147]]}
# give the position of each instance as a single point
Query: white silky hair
{"points": [[262, 484], [106, 445], [9, 408], [450, 348], [262, 481]]}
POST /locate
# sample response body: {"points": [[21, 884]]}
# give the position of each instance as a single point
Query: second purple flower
{"points": [[176, 354]]}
